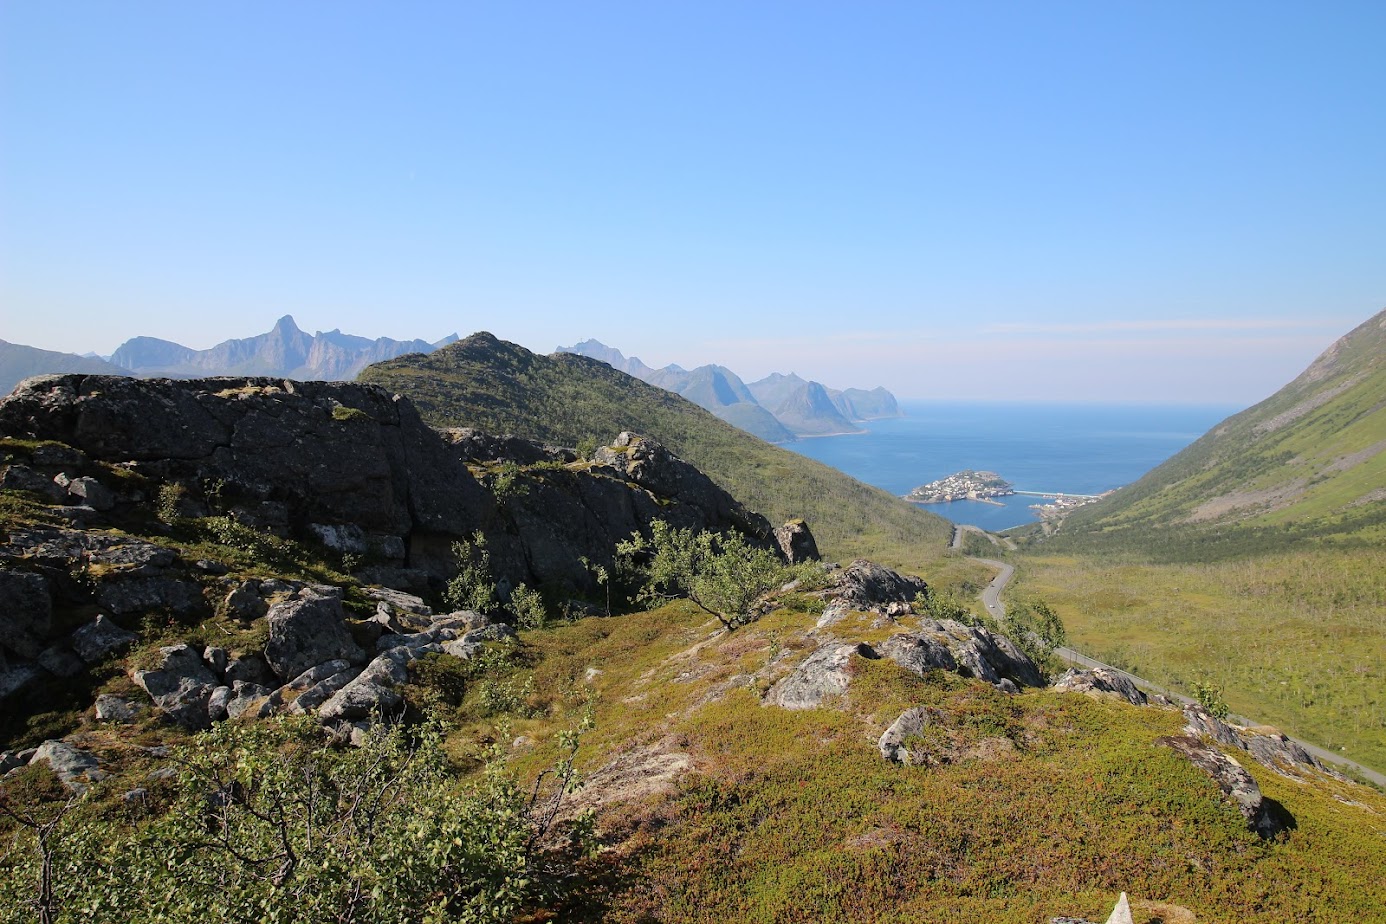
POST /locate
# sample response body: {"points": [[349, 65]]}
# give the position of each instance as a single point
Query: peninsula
{"points": [[964, 485]]}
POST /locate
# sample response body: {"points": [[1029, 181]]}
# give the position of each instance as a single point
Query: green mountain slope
{"points": [[1307, 463], [492, 385]]}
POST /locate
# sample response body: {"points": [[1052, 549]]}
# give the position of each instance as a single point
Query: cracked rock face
{"points": [[824, 675], [1236, 784], [1099, 683], [307, 632]]}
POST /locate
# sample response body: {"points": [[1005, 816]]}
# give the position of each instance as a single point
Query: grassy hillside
{"points": [[567, 399], [1307, 464], [727, 810], [1253, 559]]}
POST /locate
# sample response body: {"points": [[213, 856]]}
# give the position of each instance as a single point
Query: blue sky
{"points": [[1103, 201]]}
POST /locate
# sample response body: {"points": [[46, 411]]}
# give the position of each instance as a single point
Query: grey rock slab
{"points": [[248, 668], [74, 767], [308, 632], [320, 692], [824, 675], [181, 685], [796, 542], [373, 689], [60, 661], [919, 654], [217, 703], [111, 708], [101, 638], [1101, 683], [18, 676], [1236, 784], [910, 724], [92, 493], [216, 658], [246, 697]]}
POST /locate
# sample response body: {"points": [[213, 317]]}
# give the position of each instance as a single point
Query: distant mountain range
{"points": [[778, 408], [285, 351]]}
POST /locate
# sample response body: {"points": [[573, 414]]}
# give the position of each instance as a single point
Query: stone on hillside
{"points": [[118, 709], [323, 690], [92, 493], [17, 677], [245, 697], [919, 654], [60, 661], [26, 612], [1269, 747], [74, 767], [398, 600], [18, 477], [131, 596], [216, 658], [244, 602], [307, 632], [796, 542], [216, 703], [248, 669], [910, 724], [865, 585], [101, 638], [181, 685], [1101, 683], [1236, 784], [824, 675], [373, 689], [833, 613], [1121, 914]]}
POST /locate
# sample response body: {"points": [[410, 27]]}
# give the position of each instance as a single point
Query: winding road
{"points": [[991, 599]]}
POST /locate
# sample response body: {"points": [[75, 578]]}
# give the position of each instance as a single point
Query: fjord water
{"points": [[1073, 448]]}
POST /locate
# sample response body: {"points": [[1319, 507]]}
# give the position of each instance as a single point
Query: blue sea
{"points": [[1069, 448]]}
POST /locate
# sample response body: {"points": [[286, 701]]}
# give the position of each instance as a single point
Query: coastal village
{"points": [[973, 485], [965, 485]]}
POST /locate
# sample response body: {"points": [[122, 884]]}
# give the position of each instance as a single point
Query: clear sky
{"points": [[1173, 201]]}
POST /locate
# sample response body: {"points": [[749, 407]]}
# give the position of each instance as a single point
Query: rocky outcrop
{"points": [[181, 685], [865, 585], [971, 651], [796, 542], [910, 725], [1101, 683], [75, 767], [283, 455], [825, 675], [26, 612], [1238, 787], [1268, 746], [308, 631]]}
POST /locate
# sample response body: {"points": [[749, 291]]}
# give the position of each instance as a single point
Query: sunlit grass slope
{"points": [[566, 399], [1296, 640], [1056, 805], [1307, 464]]}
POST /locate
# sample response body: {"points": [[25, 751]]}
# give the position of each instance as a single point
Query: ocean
{"points": [[1072, 448]]}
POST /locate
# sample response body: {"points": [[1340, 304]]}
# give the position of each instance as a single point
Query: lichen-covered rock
{"points": [[181, 685], [1101, 683], [373, 690], [1269, 747], [75, 767], [1236, 784], [100, 639], [825, 675], [910, 724], [118, 709], [865, 585], [974, 652], [796, 542], [306, 632]]}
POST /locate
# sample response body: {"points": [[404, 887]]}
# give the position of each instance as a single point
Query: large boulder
{"points": [[972, 650], [824, 676], [181, 685], [26, 612], [796, 542], [910, 725], [865, 585], [1101, 683], [1265, 818], [1269, 747], [306, 632], [373, 690], [99, 639], [75, 767]]}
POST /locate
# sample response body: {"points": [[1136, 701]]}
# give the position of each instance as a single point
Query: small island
{"points": [[965, 485]]}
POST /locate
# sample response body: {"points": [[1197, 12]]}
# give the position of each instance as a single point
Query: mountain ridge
{"points": [[755, 407]]}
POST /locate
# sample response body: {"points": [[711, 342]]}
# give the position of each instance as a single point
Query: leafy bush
{"points": [[528, 607], [723, 574], [473, 588], [270, 821]]}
